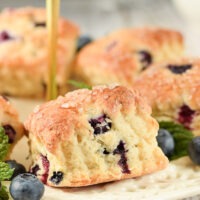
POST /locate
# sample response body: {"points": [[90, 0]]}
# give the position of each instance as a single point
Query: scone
{"points": [[172, 89], [24, 52], [10, 122], [93, 136], [120, 56]]}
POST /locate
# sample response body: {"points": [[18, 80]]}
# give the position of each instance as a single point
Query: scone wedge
{"points": [[172, 89], [93, 136], [24, 52], [122, 55]]}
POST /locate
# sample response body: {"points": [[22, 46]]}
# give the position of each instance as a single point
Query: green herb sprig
{"points": [[79, 85], [5, 171]]}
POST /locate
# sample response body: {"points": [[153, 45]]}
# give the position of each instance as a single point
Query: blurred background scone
{"points": [[93, 136], [9, 120], [173, 91], [23, 52], [120, 56]]}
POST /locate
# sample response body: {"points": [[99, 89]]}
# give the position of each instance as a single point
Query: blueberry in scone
{"points": [[93, 136], [24, 52], [172, 90], [9, 121], [121, 56]]}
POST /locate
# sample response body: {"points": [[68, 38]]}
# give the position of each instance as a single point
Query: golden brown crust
{"points": [[163, 88], [29, 49], [166, 91], [115, 58], [63, 112], [60, 131]]}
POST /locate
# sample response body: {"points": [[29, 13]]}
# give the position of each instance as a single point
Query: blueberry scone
{"points": [[172, 89], [120, 56], [93, 136], [24, 52], [10, 122]]}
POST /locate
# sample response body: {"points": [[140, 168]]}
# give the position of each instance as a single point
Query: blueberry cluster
{"points": [[24, 185]]}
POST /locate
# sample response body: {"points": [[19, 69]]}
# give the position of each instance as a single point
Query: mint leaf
{"points": [[3, 144], [79, 85], [4, 193], [182, 137], [5, 171]]}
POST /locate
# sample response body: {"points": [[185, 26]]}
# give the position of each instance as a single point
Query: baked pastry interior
{"points": [[93, 136]]}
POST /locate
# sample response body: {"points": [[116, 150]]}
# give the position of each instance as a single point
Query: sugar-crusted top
{"points": [[57, 120], [26, 50], [171, 84], [116, 58]]}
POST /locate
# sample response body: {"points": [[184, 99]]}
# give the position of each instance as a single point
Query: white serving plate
{"points": [[181, 179]]}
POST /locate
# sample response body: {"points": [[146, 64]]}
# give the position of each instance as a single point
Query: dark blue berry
{"points": [[83, 41], [45, 165], [34, 169], [185, 116], [194, 150], [18, 168], [123, 160], [179, 69], [101, 124], [145, 58], [165, 142], [5, 36], [57, 177], [40, 24], [10, 132], [26, 187], [105, 151]]}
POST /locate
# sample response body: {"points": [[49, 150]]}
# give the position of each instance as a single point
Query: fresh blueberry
{"points": [[57, 177], [185, 116], [145, 58], [18, 168], [120, 150], [83, 41], [179, 69], [26, 187], [101, 124], [194, 150], [10, 132], [165, 142]]}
